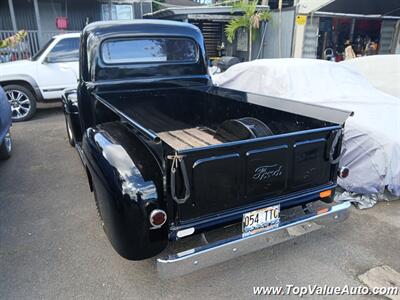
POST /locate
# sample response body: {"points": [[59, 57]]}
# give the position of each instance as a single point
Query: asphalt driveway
{"points": [[52, 245]]}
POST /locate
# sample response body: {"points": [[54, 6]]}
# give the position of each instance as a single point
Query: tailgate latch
{"points": [[331, 147], [177, 161]]}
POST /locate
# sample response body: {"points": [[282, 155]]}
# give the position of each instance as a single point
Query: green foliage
{"points": [[156, 5], [13, 40], [233, 26], [250, 20]]}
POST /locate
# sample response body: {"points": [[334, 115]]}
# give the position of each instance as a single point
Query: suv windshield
{"points": [[40, 52]]}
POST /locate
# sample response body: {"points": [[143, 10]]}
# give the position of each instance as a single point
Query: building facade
{"points": [[211, 22], [43, 19], [300, 28], [322, 28]]}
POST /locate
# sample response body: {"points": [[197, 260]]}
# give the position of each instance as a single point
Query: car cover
{"points": [[382, 71], [371, 146]]}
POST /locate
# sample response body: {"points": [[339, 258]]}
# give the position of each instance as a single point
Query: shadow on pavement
{"points": [[45, 112]]}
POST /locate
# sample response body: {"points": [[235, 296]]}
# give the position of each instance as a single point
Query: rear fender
{"points": [[126, 193]]}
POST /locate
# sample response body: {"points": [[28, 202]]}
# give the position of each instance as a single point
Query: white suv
{"points": [[43, 77]]}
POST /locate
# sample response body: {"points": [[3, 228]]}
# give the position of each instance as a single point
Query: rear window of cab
{"points": [[149, 50]]}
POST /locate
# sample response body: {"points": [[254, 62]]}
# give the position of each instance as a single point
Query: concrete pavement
{"points": [[52, 244]]}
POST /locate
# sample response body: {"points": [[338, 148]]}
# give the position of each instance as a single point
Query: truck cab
{"points": [[169, 156]]}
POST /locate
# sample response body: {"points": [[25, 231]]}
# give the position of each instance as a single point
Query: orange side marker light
{"points": [[325, 194]]}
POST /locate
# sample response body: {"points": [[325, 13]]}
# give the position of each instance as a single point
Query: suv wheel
{"points": [[22, 101], [6, 147]]}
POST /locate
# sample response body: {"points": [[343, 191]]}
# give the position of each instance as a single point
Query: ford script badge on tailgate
{"points": [[266, 172]]}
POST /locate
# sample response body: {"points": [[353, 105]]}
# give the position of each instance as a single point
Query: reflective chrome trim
{"points": [[54, 90], [70, 133], [185, 232], [19, 102], [204, 256], [343, 172], [8, 142], [154, 212]]}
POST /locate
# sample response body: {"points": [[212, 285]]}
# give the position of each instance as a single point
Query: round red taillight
{"points": [[158, 217], [343, 172]]}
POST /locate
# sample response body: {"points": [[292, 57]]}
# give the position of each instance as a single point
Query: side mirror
{"points": [[49, 60], [69, 96], [72, 96]]}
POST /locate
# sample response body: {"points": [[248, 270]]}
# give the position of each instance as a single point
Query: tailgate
{"points": [[231, 176]]}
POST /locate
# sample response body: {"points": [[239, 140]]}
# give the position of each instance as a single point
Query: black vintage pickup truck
{"points": [[170, 157]]}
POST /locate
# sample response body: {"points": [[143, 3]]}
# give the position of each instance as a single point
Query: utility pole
{"points": [[12, 14], [37, 15], [280, 29], [110, 9]]}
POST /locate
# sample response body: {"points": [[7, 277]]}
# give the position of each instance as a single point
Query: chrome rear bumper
{"points": [[213, 253]]}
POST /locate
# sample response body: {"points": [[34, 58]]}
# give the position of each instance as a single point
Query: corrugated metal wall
{"points": [[24, 15], [141, 8], [387, 43], [397, 39], [5, 19], [77, 11], [310, 44], [270, 47]]}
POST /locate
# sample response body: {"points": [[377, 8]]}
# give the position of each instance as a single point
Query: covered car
{"points": [[382, 71], [371, 146], [5, 124]]}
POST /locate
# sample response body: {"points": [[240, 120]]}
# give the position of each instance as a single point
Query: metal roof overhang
{"points": [[344, 15], [211, 17], [215, 12], [387, 9]]}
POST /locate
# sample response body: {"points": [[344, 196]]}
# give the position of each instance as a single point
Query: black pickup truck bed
{"points": [[229, 177], [181, 108], [169, 156]]}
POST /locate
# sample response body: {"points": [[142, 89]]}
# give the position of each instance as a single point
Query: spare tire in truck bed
{"points": [[242, 129]]}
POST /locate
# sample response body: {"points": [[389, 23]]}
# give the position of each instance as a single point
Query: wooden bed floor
{"points": [[151, 117], [189, 138]]}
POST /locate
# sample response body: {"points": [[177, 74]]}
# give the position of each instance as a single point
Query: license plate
{"points": [[261, 220]]}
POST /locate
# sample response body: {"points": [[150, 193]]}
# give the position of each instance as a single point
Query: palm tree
{"points": [[250, 21]]}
